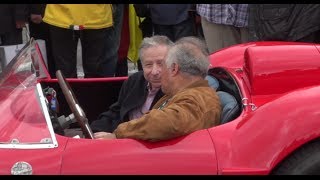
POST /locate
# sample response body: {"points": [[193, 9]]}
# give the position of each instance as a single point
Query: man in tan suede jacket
{"points": [[189, 103]]}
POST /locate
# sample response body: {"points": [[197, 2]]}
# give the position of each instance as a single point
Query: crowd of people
{"points": [[110, 34], [171, 50]]}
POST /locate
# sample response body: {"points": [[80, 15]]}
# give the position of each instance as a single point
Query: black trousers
{"points": [[41, 31], [175, 32], [94, 47]]}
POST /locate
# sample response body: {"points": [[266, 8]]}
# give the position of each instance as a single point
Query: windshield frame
{"points": [[12, 87], [53, 143]]}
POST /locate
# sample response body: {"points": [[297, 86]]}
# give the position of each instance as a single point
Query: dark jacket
{"points": [[169, 14], [9, 14], [284, 22], [133, 94]]}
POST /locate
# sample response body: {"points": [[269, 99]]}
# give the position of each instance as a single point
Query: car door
{"points": [[191, 154]]}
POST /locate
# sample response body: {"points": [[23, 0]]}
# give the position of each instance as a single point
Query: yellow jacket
{"points": [[135, 35], [88, 16]]}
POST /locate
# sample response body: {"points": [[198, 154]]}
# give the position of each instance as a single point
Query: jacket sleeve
{"points": [[179, 118], [109, 120]]}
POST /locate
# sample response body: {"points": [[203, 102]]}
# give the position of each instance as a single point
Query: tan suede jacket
{"points": [[193, 108]]}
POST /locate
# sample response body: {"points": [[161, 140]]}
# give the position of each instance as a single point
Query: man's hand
{"points": [[20, 24], [36, 18], [104, 135]]}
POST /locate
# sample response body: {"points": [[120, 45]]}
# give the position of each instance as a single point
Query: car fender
{"points": [[257, 141]]}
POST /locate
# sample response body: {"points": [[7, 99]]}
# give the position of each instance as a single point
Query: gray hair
{"points": [[195, 41], [190, 58], [153, 41]]}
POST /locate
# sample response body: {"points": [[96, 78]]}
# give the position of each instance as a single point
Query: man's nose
{"points": [[155, 69]]}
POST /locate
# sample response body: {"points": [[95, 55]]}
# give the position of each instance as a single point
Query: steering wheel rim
{"points": [[74, 105]]}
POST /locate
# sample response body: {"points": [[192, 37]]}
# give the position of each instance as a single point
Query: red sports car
{"points": [[270, 93]]}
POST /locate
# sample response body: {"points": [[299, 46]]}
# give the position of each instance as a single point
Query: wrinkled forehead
{"points": [[157, 52]]}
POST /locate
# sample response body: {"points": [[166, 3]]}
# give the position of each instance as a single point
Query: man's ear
{"points": [[174, 69]]}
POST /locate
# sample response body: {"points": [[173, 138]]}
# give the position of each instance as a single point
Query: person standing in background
{"points": [[171, 20], [145, 23], [40, 30], [284, 22], [223, 24], [122, 64], [90, 23], [114, 37], [146, 26], [175, 23], [13, 18]]}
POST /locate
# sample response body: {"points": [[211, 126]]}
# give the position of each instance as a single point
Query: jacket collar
{"points": [[199, 83]]}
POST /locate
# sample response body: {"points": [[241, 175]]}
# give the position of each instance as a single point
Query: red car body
{"points": [[278, 83]]}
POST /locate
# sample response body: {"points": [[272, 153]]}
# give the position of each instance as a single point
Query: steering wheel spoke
{"points": [[78, 112]]}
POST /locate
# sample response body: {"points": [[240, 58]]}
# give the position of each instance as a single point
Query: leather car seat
{"points": [[213, 82], [229, 104]]}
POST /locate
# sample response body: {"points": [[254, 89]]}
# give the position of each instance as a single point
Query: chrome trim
{"points": [[15, 141], [245, 104], [46, 115], [27, 146], [37, 145], [79, 110], [21, 168], [253, 106], [46, 140]]}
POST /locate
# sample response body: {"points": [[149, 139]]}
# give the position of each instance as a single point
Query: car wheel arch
{"points": [[304, 160]]}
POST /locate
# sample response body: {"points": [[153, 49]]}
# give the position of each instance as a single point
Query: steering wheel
{"points": [[79, 114]]}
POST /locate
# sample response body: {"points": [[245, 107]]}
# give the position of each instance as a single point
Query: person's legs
{"points": [[219, 36], [122, 68], [41, 31], [94, 48], [102, 61], [183, 29], [64, 50], [147, 31], [165, 30], [51, 64], [122, 65], [146, 27], [244, 35], [113, 41]]}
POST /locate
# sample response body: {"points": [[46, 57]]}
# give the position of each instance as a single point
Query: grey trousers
{"points": [[218, 36]]}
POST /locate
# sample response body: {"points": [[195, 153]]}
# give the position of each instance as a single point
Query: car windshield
{"points": [[22, 104]]}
